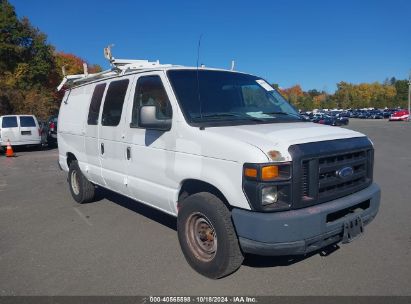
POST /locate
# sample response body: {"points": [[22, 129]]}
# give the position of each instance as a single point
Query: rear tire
{"points": [[81, 189], [207, 236]]}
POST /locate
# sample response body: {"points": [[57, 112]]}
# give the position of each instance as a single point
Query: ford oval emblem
{"points": [[345, 172]]}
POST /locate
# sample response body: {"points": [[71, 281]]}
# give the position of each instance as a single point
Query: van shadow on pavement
{"points": [[171, 222], [28, 149], [135, 206], [267, 261]]}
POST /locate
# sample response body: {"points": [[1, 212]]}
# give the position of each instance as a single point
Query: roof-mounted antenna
{"points": [[107, 53], [198, 80], [85, 69], [232, 65]]}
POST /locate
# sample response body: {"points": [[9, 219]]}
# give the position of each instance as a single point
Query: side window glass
{"points": [[27, 121], [113, 104], [9, 122], [151, 92], [95, 104]]}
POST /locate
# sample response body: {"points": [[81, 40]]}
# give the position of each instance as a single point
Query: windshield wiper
{"points": [[283, 113], [232, 114]]}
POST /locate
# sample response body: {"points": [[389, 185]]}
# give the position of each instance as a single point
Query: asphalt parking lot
{"points": [[49, 245]]}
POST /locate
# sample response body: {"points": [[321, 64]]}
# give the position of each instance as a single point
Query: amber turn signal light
{"points": [[250, 172], [269, 172]]}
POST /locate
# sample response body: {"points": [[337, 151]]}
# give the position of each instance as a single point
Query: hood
{"points": [[280, 136]]}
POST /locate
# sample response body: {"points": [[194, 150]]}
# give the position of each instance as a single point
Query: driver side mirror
{"points": [[148, 119]]}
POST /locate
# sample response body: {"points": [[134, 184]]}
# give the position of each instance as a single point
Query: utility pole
{"points": [[409, 97]]}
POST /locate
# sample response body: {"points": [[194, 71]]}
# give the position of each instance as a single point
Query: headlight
{"points": [[268, 186], [269, 195]]}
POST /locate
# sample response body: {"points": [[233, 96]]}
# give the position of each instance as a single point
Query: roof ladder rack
{"points": [[118, 67]]}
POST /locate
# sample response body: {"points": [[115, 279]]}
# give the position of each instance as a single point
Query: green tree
{"points": [[30, 67], [11, 42], [401, 98]]}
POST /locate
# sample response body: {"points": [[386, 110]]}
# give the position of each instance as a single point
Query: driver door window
{"points": [[150, 92]]}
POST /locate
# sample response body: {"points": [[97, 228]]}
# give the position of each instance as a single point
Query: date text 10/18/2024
{"points": [[201, 299]]}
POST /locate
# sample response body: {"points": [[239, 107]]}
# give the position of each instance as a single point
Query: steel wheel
{"points": [[75, 184], [201, 237]]}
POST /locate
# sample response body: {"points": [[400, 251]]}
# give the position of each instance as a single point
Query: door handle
{"points": [[128, 152], [102, 148]]}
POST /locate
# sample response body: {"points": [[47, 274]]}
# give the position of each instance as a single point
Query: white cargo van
{"points": [[19, 130], [222, 151]]}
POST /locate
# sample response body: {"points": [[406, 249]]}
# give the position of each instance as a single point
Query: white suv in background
{"points": [[223, 152], [19, 130]]}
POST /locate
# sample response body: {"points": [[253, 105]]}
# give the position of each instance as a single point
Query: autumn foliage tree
{"points": [[73, 64], [391, 94], [30, 67]]}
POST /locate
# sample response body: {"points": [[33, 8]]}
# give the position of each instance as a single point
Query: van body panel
{"points": [[160, 161], [71, 122], [151, 152], [272, 136], [111, 142], [91, 145], [29, 128], [9, 129]]}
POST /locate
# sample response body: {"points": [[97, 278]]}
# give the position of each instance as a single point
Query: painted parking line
{"points": [[82, 216]]}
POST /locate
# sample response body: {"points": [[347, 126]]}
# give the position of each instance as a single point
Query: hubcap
{"points": [[201, 237], [75, 182]]}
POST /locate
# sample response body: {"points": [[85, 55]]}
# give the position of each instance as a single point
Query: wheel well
{"points": [[192, 186], [70, 158]]}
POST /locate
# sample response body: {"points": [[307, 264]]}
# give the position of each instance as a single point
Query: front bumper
{"points": [[22, 143], [301, 231]]}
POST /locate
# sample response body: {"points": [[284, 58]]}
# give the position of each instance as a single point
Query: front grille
{"points": [[329, 183], [304, 180], [321, 182], [317, 170]]}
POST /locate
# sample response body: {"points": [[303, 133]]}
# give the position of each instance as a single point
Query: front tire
{"points": [[81, 189], [207, 236]]}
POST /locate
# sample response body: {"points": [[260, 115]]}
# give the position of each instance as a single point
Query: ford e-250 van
{"points": [[223, 152], [19, 130]]}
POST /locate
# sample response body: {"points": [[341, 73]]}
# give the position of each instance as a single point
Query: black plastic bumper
{"points": [[301, 231]]}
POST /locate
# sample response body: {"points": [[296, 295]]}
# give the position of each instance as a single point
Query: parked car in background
{"points": [[20, 130], [51, 128], [325, 119], [43, 131], [343, 120], [400, 115], [376, 114], [339, 117], [387, 113]]}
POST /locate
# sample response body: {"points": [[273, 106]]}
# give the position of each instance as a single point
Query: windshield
{"points": [[215, 96]]}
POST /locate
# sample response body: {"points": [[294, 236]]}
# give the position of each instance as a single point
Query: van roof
{"points": [[9, 115], [72, 81], [121, 67]]}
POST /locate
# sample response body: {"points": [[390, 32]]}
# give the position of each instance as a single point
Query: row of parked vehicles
{"points": [[341, 117], [27, 130], [391, 114], [331, 118]]}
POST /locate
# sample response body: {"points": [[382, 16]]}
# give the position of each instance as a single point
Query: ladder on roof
{"points": [[118, 67]]}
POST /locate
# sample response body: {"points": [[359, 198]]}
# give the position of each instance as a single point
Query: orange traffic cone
{"points": [[9, 151]]}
